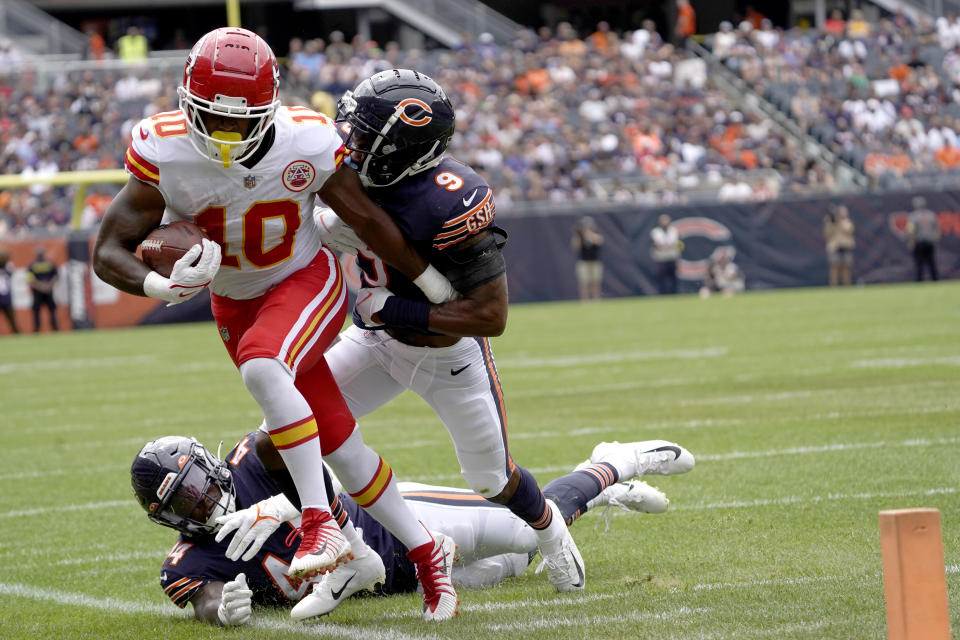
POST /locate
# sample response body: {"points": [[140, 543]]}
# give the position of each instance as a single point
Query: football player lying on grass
{"points": [[182, 485]]}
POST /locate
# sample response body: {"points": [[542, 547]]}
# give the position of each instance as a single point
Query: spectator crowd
{"points": [[559, 116], [884, 95]]}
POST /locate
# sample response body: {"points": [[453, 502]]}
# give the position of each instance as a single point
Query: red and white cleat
{"points": [[323, 546], [434, 562]]}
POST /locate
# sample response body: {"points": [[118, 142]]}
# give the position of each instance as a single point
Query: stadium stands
{"points": [[560, 117], [884, 96]]}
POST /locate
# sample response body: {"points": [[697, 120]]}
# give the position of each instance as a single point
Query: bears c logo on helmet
{"points": [[425, 115]]}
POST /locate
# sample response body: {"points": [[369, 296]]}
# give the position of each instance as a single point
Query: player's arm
{"points": [[131, 216], [227, 604], [479, 312], [476, 269], [343, 192], [206, 602]]}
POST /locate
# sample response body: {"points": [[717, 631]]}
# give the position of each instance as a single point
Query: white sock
{"points": [[369, 480]]}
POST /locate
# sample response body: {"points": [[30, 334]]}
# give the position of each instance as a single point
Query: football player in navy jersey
{"points": [[397, 125], [182, 485]]}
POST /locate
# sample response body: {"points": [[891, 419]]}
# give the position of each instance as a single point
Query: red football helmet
{"points": [[230, 72]]}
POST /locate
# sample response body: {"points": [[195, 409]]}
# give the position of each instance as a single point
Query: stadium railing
{"points": [[81, 179]]}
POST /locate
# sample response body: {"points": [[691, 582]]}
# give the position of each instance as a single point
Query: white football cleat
{"points": [[565, 568], [361, 573], [635, 459], [636, 495]]}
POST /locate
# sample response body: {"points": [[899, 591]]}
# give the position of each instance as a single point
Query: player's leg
{"points": [[598, 484], [357, 362], [461, 383], [269, 339], [364, 572], [36, 312], [366, 477], [480, 527], [52, 307]]}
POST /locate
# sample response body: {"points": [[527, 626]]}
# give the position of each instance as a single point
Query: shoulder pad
{"points": [[315, 136]]}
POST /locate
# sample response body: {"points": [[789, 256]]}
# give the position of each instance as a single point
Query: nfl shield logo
{"points": [[225, 334], [250, 182]]}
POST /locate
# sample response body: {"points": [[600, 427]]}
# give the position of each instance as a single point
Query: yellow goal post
{"points": [[82, 180]]}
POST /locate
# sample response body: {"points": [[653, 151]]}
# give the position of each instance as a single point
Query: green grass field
{"points": [[808, 410]]}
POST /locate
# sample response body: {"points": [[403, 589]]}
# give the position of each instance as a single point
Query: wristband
{"points": [[284, 507], [401, 312], [156, 286], [435, 285]]}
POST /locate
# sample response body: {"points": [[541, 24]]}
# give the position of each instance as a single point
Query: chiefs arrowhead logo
{"points": [[298, 175]]}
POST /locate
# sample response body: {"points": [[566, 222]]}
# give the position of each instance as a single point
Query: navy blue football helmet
{"points": [[182, 485], [400, 120]]}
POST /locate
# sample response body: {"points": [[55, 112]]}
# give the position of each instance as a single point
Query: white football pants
{"points": [[459, 382]]}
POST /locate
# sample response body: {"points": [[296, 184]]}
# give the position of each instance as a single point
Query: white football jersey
{"points": [[262, 218]]}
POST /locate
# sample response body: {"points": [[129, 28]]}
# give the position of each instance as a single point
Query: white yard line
{"points": [[126, 607], [552, 621], [40, 511], [830, 497], [29, 475], [903, 363], [493, 607], [742, 634], [79, 363], [563, 362], [737, 455]]}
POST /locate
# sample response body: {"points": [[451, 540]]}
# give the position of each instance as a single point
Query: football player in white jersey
{"points": [[247, 170]]}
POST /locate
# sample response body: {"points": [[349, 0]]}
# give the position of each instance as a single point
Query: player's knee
{"points": [[491, 486], [259, 374]]}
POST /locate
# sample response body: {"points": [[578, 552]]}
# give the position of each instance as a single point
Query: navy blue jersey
{"points": [[436, 210], [195, 561]]}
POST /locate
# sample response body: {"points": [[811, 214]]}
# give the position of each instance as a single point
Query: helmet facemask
{"points": [[187, 493], [220, 146]]}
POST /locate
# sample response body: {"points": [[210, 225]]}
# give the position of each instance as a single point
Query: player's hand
{"points": [[186, 280], [370, 302], [235, 602], [335, 233], [254, 525], [435, 286]]}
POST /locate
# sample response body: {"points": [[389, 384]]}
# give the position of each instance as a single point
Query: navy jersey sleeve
{"points": [[190, 566], [467, 216]]}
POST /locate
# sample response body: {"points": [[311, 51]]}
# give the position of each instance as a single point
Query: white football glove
{"points": [[235, 603], [335, 233], [435, 286], [254, 525], [369, 302], [185, 281]]}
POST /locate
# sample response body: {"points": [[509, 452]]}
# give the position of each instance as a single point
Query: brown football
{"points": [[167, 243]]}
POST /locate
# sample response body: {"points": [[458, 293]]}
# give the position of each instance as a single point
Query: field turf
{"points": [[808, 411]]}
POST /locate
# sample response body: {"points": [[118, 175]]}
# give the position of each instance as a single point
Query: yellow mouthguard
{"points": [[226, 136]]}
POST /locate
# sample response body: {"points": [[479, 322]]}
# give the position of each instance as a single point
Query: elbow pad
{"points": [[477, 264]]}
